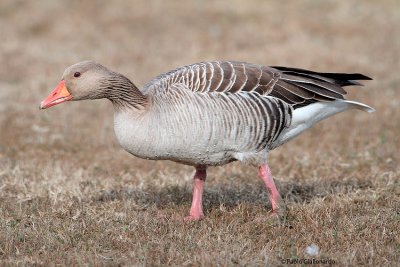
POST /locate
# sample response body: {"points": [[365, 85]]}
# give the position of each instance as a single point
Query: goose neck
{"points": [[123, 93]]}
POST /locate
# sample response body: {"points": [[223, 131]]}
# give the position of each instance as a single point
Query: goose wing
{"points": [[296, 87]]}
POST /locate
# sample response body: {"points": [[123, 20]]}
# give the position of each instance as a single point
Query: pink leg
{"points": [[265, 175], [196, 211]]}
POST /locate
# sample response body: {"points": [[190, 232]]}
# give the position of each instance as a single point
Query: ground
{"points": [[69, 195]]}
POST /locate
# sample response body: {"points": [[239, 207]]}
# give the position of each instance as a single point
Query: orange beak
{"points": [[60, 94]]}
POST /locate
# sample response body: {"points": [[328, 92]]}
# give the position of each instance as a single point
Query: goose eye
{"points": [[77, 74]]}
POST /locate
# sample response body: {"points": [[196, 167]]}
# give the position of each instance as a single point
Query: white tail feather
{"points": [[360, 106], [305, 117]]}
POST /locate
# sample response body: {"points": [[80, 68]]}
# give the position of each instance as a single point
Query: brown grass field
{"points": [[71, 196]]}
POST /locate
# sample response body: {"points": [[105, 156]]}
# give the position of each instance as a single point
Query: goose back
{"points": [[296, 87]]}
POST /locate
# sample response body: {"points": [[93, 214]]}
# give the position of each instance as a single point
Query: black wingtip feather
{"points": [[342, 79]]}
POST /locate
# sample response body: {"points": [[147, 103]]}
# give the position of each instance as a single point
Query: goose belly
{"points": [[185, 143]]}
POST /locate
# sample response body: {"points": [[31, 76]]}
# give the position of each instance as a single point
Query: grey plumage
{"points": [[213, 113]]}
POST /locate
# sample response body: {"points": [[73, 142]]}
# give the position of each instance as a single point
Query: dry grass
{"points": [[70, 195]]}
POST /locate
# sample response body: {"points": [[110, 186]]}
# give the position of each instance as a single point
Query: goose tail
{"points": [[307, 116]]}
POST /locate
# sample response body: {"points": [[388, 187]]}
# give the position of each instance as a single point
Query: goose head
{"points": [[83, 80]]}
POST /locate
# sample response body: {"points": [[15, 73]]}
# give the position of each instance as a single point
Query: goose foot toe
{"points": [[193, 218], [280, 217], [273, 219]]}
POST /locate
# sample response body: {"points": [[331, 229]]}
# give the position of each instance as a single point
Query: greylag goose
{"points": [[212, 113]]}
